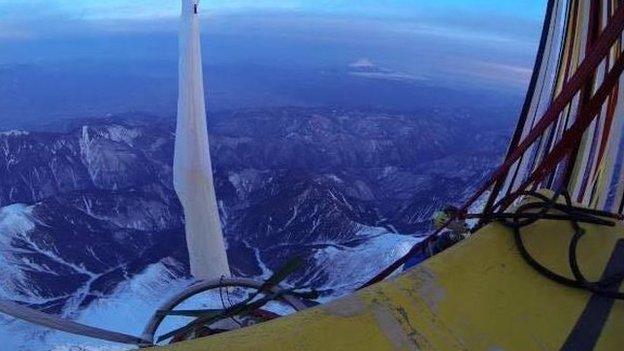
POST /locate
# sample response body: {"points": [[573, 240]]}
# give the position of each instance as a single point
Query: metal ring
{"points": [[202, 286]]}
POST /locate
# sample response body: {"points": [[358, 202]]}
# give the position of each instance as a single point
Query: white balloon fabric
{"points": [[192, 171]]}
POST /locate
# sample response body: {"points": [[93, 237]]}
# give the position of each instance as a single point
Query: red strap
{"points": [[573, 135], [585, 70]]}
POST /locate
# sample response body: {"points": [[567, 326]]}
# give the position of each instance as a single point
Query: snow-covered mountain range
{"points": [[90, 227]]}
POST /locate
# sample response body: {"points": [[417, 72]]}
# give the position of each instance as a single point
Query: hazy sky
{"points": [[485, 27], [287, 52], [33, 18], [150, 8]]}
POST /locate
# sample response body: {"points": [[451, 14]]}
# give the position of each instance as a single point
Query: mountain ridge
{"points": [[92, 207]]}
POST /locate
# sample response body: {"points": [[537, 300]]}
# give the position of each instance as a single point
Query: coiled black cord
{"points": [[526, 215]]}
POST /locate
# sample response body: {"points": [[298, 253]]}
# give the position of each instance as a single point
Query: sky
{"points": [[32, 18], [142, 8], [283, 52], [510, 26]]}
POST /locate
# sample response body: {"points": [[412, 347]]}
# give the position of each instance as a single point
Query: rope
{"points": [[267, 292], [221, 287], [574, 215]]}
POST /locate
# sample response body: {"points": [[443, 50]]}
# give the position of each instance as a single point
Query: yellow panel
{"points": [[478, 295]]}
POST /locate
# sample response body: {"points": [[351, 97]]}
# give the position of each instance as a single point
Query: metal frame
{"points": [[203, 286]]}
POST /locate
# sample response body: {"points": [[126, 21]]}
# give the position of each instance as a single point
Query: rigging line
{"points": [[580, 77], [537, 67], [566, 43], [221, 287], [594, 26], [573, 135], [608, 126], [570, 47], [585, 70], [621, 207], [597, 173], [596, 101], [569, 31], [611, 32]]}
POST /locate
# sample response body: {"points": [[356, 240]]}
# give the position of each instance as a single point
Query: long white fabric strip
{"points": [[192, 173]]}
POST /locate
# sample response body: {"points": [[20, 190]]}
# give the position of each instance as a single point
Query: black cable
{"points": [[574, 215], [221, 286]]}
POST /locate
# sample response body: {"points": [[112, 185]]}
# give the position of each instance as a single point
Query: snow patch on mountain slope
{"points": [[349, 267], [21, 256], [14, 132], [127, 310], [15, 222]]}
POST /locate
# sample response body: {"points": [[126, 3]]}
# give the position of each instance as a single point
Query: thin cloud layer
{"points": [[391, 40], [40, 18]]}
